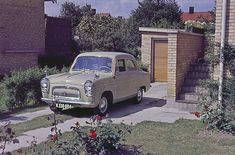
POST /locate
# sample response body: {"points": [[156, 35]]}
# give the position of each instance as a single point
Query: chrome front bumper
{"points": [[67, 100]]}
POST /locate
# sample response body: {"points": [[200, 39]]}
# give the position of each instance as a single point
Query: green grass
{"points": [[38, 122], [179, 138]]}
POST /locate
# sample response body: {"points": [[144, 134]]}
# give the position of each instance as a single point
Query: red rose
{"points": [[54, 138], [93, 134], [197, 114], [99, 118], [19, 151]]}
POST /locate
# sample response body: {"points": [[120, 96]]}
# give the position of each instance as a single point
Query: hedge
{"points": [[22, 88]]}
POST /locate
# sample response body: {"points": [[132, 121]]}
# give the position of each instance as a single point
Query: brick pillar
{"points": [[172, 59]]}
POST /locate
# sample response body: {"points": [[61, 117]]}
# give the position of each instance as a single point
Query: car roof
{"points": [[107, 54]]}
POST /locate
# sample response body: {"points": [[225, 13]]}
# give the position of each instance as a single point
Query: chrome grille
{"points": [[62, 91]]}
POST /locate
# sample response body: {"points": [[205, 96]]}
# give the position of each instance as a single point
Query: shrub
{"points": [[99, 138], [22, 88]]}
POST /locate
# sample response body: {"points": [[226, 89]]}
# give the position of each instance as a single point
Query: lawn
{"points": [[181, 137], [38, 122]]}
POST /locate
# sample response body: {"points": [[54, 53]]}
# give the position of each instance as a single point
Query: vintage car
{"points": [[96, 80]]}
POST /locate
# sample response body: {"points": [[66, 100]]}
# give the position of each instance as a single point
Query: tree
{"points": [[75, 13], [150, 12], [103, 33], [154, 13]]}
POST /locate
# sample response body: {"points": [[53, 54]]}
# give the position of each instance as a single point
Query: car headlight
{"points": [[44, 85], [88, 87]]}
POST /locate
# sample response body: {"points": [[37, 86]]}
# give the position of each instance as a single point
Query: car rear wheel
{"points": [[139, 96], [103, 106]]}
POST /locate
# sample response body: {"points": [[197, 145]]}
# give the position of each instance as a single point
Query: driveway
{"points": [[153, 108]]}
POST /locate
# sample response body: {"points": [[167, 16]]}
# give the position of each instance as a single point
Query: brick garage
{"points": [[183, 49]]}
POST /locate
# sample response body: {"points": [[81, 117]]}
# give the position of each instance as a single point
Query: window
{"points": [[121, 66], [130, 65], [101, 64]]}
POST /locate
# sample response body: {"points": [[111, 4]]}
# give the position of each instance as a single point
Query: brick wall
{"points": [[10, 61], [189, 46], [58, 36], [22, 31], [230, 21], [230, 27]]}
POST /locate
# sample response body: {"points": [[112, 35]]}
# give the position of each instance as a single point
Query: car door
{"points": [[121, 80], [133, 74]]}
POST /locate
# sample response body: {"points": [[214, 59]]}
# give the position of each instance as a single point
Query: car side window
{"points": [[120, 66], [130, 65]]}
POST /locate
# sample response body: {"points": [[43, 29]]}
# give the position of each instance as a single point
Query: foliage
{"points": [[97, 32], [99, 138], [152, 13], [149, 12], [6, 136], [75, 13], [22, 88], [104, 33], [218, 116]]}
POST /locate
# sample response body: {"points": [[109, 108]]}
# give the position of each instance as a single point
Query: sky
{"points": [[124, 7]]}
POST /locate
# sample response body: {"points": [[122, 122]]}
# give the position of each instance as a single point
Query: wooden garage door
{"points": [[160, 61]]}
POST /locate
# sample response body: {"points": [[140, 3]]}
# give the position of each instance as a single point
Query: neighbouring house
{"points": [[22, 33], [196, 16], [104, 14], [58, 37]]}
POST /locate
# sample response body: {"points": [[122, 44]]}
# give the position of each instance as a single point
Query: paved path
{"points": [[14, 119], [153, 108]]}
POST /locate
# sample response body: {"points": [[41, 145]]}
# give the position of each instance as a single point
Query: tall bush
{"points": [[22, 88], [216, 115]]}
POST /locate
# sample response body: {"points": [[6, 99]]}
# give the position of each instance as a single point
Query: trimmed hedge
{"points": [[22, 88]]}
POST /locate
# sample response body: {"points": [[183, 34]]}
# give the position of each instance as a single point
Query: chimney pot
{"points": [[191, 10]]}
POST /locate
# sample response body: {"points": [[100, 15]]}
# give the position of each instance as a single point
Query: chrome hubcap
{"points": [[139, 95], [103, 105]]}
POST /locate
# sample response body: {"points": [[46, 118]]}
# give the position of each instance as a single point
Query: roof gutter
{"points": [[222, 43]]}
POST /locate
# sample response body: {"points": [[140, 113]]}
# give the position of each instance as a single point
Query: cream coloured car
{"points": [[96, 80]]}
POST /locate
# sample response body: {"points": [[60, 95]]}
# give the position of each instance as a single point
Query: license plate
{"points": [[64, 106]]}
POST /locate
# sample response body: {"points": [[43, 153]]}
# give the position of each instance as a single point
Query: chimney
{"points": [[93, 11], [191, 9]]}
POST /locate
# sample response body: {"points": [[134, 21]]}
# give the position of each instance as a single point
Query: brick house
{"points": [[230, 22], [195, 16], [230, 26], [22, 33]]}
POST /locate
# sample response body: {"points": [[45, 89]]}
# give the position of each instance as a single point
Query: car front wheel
{"points": [[103, 106]]}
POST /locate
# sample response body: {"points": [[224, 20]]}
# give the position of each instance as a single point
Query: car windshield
{"points": [[102, 64]]}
